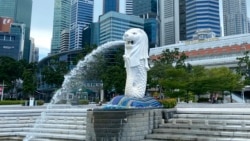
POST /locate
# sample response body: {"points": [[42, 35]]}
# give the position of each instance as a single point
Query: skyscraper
{"points": [[61, 21], [81, 17], [12, 42], [235, 17], [202, 14], [20, 11], [129, 7], [169, 30], [147, 9], [110, 5], [103, 6], [114, 24]]}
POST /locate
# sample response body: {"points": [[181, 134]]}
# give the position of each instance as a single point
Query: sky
{"points": [[42, 24]]}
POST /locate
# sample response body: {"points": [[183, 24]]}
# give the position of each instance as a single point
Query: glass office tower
{"points": [[202, 14], [235, 17], [60, 23], [81, 17], [20, 11]]}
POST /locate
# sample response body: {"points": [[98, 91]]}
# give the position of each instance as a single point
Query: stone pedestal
{"points": [[122, 124]]}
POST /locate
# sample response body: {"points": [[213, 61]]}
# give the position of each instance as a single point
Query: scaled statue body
{"points": [[136, 62]]}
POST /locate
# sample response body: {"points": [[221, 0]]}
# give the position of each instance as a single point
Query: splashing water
{"points": [[72, 80]]}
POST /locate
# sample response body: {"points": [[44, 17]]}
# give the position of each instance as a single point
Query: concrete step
{"points": [[181, 137], [224, 122], [5, 131], [58, 131], [11, 138], [213, 116], [71, 122], [207, 127], [62, 126], [48, 136], [213, 133]]}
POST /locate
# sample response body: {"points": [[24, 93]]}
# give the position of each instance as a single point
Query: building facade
{"points": [[61, 21], [129, 7], [169, 27], [145, 7], [20, 11], [235, 17], [64, 44], [113, 25], [202, 14], [12, 43], [110, 5], [81, 17]]}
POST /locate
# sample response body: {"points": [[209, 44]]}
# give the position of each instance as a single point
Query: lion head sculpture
{"points": [[136, 46]]}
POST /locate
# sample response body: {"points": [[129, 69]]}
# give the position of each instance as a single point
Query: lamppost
{"points": [[101, 92], [2, 91], [147, 92], [159, 89]]}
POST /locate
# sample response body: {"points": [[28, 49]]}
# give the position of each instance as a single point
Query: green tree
{"points": [[53, 74], [170, 73], [10, 71], [197, 80], [29, 80], [243, 67]]}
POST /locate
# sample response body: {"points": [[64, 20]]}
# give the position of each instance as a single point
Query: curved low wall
{"points": [[123, 124]]}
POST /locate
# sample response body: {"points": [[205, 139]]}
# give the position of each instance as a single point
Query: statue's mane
{"points": [[140, 48]]}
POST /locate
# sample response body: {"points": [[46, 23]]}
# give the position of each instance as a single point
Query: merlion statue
{"points": [[136, 62]]}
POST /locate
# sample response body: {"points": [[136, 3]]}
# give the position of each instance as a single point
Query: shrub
{"points": [[83, 102], [12, 102], [40, 102], [168, 103]]}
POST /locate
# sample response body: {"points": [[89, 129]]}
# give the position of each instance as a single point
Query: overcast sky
{"points": [[42, 23]]}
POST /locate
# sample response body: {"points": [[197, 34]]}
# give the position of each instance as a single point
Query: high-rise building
{"points": [[169, 29], [81, 17], [103, 6], [91, 34], [64, 45], [129, 7], [182, 13], [20, 11], [202, 14], [114, 24], [12, 42], [34, 55], [110, 5], [235, 17], [147, 9], [61, 21]]}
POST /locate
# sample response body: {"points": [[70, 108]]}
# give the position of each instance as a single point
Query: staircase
{"points": [[205, 124], [60, 123]]}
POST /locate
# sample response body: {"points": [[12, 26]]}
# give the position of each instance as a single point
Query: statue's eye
{"points": [[134, 33]]}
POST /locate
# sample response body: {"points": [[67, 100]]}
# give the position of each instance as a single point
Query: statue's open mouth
{"points": [[130, 42]]}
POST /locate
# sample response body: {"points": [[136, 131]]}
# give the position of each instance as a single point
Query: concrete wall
{"points": [[123, 124]]}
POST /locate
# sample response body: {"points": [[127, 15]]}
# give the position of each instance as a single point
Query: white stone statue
{"points": [[136, 62]]}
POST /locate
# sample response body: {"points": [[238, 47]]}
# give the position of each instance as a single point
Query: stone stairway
{"points": [[205, 124], [60, 123]]}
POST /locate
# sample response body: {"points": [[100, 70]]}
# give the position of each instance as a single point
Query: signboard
{"points": [[1, 90], [5, 23]]}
